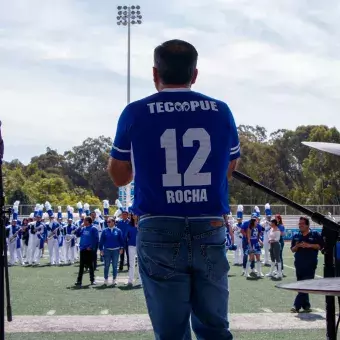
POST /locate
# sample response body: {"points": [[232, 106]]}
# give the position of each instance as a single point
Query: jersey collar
{"points": [[180, 89]]}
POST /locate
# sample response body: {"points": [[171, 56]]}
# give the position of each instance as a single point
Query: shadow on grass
{"points": [[124, 288], [78, 288], [310, 317]]}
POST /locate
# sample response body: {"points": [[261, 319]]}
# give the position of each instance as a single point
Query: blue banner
{"points": [[291, 231]]}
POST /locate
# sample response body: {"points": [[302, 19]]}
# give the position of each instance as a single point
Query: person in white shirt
{"points": [[275, 248]]}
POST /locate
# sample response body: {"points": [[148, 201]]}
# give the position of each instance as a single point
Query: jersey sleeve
{"points": [[235, 143], [121, 148]]}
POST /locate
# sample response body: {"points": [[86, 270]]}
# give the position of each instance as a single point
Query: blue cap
{"points": [[254, 215]]}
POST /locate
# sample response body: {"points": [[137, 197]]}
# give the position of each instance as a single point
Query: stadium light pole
{"points": [[128, 16]]}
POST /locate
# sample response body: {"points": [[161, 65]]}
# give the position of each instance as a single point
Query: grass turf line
{"points": [[268, 335]]}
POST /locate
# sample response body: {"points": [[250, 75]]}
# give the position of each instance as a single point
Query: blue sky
{"points": [[63, 64]]}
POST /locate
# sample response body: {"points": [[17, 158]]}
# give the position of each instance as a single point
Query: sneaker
{"points": [[129, 284], [114, 282], [277, 276], [78, 284], [307, 310], [269, 275], [106, 282], [93, 283], [260, 275], [294, 310], [243, 273]]}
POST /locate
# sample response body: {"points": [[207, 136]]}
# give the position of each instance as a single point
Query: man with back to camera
{"points": [[180, 197]]}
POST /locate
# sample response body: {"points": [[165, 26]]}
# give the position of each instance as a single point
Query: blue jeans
{"points": [[184, 270], [110, 256]]}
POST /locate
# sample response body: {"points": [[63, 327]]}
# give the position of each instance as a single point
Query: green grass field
{"points": [[44, 290]]}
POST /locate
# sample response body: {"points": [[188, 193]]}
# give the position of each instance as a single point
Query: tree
{"points": [[87, 166]]}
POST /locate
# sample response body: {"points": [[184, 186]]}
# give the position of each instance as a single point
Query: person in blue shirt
{"points": [[88, 241], [111, 245], [282, 241], [131, 237], [254, 232], [123, 225], [180, 196], [245, 244], [305, 246]]}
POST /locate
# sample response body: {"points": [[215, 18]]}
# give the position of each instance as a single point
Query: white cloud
{"points": [[63, 64]]}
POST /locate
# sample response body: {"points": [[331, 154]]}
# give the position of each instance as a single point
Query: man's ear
{"points": [[193, 81]]}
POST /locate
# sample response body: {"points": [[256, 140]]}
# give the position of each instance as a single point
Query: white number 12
{"points": [[192, 176]]}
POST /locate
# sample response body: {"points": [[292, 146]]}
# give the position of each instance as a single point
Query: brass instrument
{"points": [[52, 233], [14, 236], [70, 237]]}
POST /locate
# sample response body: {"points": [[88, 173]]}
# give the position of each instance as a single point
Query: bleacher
{"points": [[292, 221]]}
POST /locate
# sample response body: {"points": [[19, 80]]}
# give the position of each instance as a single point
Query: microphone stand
{"points": [[4, 277], [330, 234]]}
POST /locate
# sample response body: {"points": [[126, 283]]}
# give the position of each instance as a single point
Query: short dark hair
{"points": [[88, 219], [176, 62], [274, 220], [306, 219]]}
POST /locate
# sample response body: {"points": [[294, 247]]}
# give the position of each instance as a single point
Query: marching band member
{"points": [[36, 240], [266, 225], [132, 232], [13, 233], [53, 232], [24, 237], [111, 245], [254, 243], [238, 237], [61, 238], [69, 231], [106, 211]]}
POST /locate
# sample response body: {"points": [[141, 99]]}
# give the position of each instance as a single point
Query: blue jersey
{"points": [[255, 234], [180, 143]]}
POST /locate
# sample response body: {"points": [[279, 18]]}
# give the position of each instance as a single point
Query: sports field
{"points": [[47, 306]]}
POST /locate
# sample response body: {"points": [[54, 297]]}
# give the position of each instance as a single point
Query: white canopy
{"points": [[327, 147]]}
